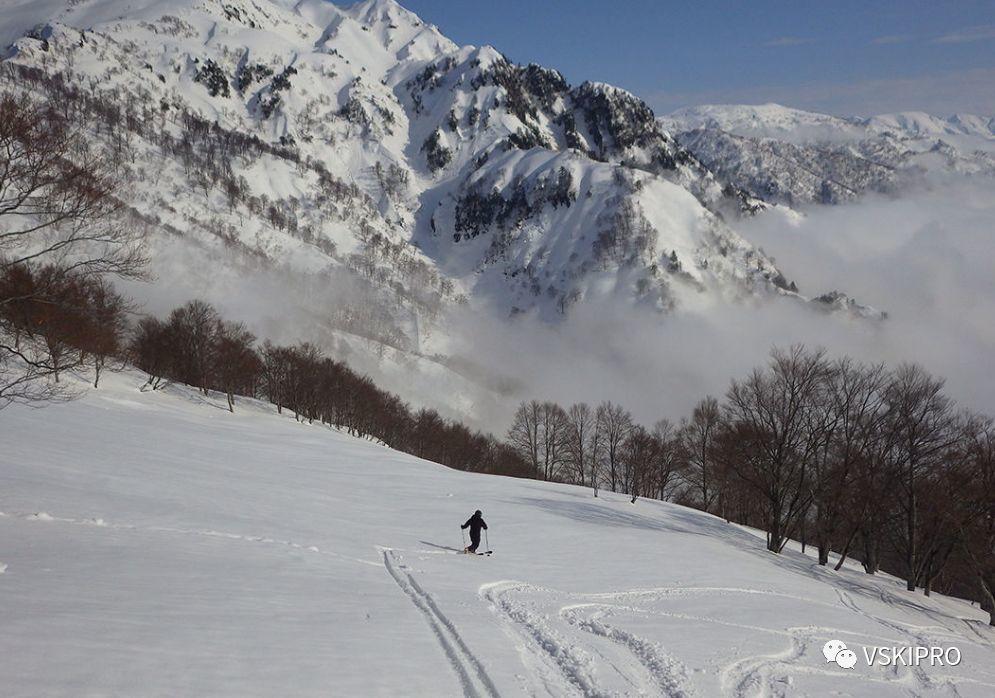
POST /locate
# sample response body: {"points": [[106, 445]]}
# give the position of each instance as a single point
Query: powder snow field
{"points": [[152, 544]]}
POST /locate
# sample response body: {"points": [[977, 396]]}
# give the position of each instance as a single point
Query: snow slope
{"points": [[154, 544]]}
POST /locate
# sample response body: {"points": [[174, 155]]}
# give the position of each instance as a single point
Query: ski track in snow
{"points": [[568, 668], [669, 674], [565, 667], [472, 676], [209, 533], [918, 635]]}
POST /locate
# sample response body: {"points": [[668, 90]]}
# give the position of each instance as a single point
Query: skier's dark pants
{"points": [[474, 542]]}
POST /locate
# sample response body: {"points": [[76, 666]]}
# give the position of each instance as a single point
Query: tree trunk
{"points": [[871, 562], [775, 537], [910, 531], [846, 550], [987, 598]]}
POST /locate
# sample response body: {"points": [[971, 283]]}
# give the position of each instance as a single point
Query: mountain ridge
{"points": [[374, 175], [799, 158]]}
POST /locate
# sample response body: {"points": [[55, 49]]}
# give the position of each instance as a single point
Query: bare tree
{"points": [[524, 434], [58, 208], [697, 443], [276, 374], [553, 429], [977, 539], [107, 327], [579, 448], [539, 433], [636, 461], [767, 444], [614, 424], [847, 422], [920, 422], [58, 199], [150, 350], [236, 366], [669, 463], [193, 329]]}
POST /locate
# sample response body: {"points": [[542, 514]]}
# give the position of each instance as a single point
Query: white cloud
{"points": [[982, 32], [788, 41], [971, 91], [892, 39], [925, 259]]}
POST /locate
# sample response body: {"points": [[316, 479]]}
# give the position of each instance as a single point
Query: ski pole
{"points": [[463, 533], [487, 540]]}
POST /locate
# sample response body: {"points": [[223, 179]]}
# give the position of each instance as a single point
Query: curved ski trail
{"points": [[569, 670], [668, 673]]}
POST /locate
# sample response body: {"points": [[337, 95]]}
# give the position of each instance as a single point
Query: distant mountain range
{"points": [[796, 157]]}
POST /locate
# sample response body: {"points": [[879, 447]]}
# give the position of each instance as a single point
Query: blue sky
{"points": [[840, 56]]}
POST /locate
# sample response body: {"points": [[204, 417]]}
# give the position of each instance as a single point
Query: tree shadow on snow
{"points": [[674, 520], [677, 519]]}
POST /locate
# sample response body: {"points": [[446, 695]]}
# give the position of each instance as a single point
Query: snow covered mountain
{"points": [[796, 157], [155, 544], [799, 126], [348, 175], [361, 140]]}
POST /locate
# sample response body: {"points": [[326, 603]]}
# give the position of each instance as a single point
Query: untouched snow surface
{"points": [[154, 544]]}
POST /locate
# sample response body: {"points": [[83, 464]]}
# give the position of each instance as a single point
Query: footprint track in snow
{"points": [[45, 517]]}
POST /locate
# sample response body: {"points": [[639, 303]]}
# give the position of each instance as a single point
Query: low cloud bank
{"points": [[928, 260]]}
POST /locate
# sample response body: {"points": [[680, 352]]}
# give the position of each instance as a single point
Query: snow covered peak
{"points": [[922, 125], [797, 157], [381, 12], [972, 123], [399, 30], [762, 120], [605, 88]]}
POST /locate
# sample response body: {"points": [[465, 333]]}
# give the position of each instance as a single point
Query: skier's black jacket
{"points": [[475, 523]]}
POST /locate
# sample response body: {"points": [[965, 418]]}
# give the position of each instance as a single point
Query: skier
{"points": [[474, 523]]}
